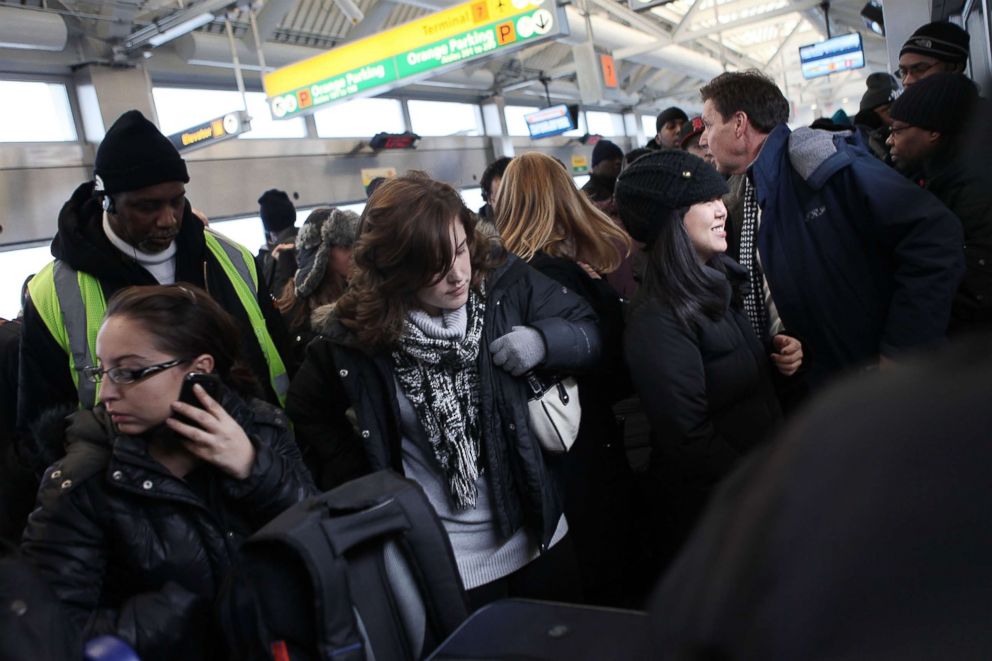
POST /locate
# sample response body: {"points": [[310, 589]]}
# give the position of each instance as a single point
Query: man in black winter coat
{"points": [[133, 226], [928, 135]]}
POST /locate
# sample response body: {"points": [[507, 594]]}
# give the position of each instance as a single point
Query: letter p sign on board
{"points": [[505, 33]]}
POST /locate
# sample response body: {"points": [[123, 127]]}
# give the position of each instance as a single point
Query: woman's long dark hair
{"points": [[674, 276], [185, 321]]}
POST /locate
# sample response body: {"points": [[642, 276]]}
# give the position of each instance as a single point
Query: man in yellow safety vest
{"points": [[132, 225]]}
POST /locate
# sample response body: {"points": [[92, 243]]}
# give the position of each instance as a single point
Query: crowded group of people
{"points": [[723, 275]]}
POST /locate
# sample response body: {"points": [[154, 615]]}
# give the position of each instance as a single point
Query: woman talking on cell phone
{"points": [[137, 524]]}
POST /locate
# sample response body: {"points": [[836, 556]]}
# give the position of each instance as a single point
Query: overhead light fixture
{"points": [[350, 10], [174, 25], [183, 28], [874, 17]]}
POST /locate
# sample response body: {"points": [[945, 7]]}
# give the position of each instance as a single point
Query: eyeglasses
{"points": [[916, 70], [896, 130], [123, 376]]}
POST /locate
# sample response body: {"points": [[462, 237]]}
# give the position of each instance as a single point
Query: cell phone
{"points": [[209, 382]]}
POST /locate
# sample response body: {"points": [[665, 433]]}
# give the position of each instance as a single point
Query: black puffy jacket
{"points": [[132, 550], [344, 408], [707, 391]]}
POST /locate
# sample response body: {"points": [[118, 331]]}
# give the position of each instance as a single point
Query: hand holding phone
{"points": [[209, 382], [208, 431]]}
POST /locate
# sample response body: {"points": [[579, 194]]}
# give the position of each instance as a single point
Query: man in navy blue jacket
{"points": [[842, 250]]}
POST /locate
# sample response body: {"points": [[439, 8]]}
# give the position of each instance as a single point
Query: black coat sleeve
{"points": [[667, 369], [278, 479], [44, 381], [318, 405], [566, 322], [925, 244], [65, 541]]}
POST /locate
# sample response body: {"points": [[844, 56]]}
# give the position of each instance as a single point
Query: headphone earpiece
{"points": [[108, 204]]}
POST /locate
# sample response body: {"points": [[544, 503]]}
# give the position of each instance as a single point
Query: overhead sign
{"points": [[412, 51], [832, 56], [609, 69], [549, 121], [216, 130]]}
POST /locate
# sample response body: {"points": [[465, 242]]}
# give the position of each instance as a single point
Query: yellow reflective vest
{"points": [[71, 305]]}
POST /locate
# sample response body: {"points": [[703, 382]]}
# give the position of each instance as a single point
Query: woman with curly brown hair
{"points": [[416, 370]]}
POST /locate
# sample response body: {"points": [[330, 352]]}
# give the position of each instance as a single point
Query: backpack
{"points": [[364, 571]]}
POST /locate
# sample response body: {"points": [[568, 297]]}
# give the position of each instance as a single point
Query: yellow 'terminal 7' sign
{"points": [[467, 31]]}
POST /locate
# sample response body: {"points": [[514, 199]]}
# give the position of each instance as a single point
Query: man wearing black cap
{"points": [[667, 125], [132, 225], [873, 119], [934, 48], [607, 159], [840, 249], [929, 125], [277, 258]]}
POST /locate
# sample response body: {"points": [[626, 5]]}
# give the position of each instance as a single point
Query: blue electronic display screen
{"points": [[549, 121], [832, 56]]}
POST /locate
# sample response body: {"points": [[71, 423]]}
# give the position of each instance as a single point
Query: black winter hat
{"points": [[668, 115], [134, 154], [882, 88], [277, 211], [940, 39], [942, 102], [659, 183], [605, 151]]}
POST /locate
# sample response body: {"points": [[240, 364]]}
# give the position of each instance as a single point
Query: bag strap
{"points": [[337, 630]]}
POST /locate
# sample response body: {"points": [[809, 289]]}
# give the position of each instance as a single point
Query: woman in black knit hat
{"points": [[703, 376]]}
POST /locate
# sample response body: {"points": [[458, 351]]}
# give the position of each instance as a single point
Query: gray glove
{"points": [[519, 351]]}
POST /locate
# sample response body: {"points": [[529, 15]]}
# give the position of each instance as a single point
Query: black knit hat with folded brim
{"points": [[134, 155], [942, 102], [276, 210], [942, 40], [659, 183]]}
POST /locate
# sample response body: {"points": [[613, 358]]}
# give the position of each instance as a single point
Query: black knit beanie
{"points": [[942, 102], [605, 151], [134, 154], [882, 88], [276, 210], [940, 39], [668, 115], [657, 184]]}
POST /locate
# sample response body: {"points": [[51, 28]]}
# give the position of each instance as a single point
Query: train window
{"points": [[35, 112], [18, 264], [516, 125], [180, 108], [360, 118], [445, 118], [648, 124], [605, 123]]}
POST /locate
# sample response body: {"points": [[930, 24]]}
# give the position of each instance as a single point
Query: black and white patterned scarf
{"points": [[754, 300], [440, 377]]}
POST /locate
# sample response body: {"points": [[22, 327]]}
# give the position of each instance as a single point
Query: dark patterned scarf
{"points": [[754, 300], [440, 377]]}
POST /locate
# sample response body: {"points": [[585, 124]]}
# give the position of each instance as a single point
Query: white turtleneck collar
{"points": [[450, 325], [162, 265]]}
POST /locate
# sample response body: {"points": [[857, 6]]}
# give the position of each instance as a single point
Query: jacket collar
{"points": [[82, 244]]}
